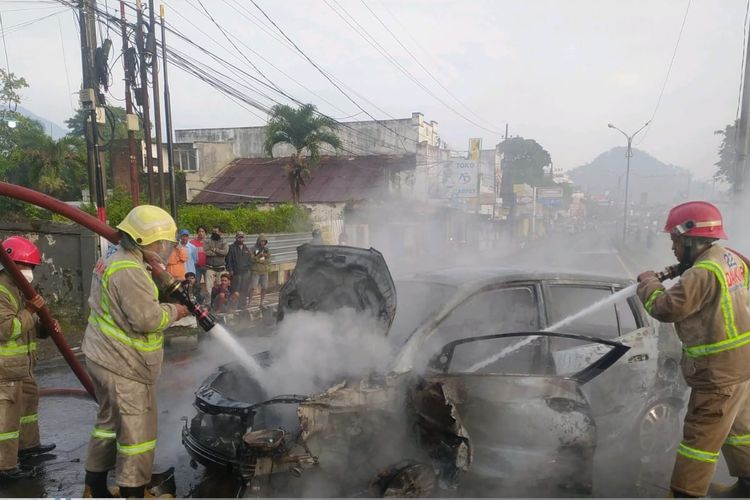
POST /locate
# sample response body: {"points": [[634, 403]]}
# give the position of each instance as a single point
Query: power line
{"points": [[742, 62], [65, 63], [328, 78], [669, 71], [424, 68], [364, 34]]}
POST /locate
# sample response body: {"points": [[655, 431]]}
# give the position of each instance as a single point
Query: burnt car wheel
{"points": [[659, 429]]}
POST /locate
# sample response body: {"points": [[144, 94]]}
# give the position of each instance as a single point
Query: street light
{"points": [[627, 173]]}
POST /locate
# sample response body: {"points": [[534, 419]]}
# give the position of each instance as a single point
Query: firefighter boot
{"points": [[96, 485], [17, 473], [136, 492], [740, 489], [37, 450]]}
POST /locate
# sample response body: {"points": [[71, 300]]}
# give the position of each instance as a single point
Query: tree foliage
{"points": [[10, 87], [306, 131], [726, 165], [116, 126], [524, 161]]}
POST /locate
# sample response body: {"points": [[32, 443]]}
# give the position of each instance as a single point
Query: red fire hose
{"points": [[76, 215]]}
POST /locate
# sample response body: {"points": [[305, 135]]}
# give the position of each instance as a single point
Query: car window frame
{"points": [[612, 287], [441, 361]]}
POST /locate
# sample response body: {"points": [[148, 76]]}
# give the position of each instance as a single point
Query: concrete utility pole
{"points": [[743, 131], [144, 101], [89, 97], [151, 49], [129, 80], [168, 119], [629, 155]]}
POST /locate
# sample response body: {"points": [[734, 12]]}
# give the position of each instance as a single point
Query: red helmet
{"points": [[696, 219], [22, 250]]}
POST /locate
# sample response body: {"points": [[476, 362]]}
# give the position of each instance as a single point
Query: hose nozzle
{"points": [[670, 272], [172, 288]]}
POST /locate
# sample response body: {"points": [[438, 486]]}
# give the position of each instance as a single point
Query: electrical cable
{"points": [[65, 64], [666, 78], [365, 35], [315, 65], [424, 68], [5, 49]]}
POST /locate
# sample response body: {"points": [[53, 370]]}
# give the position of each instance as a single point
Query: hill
{"points": [[649, 177], [51, 128]]}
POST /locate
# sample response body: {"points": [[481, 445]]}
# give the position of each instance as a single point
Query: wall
{"points": [[362, 137], [68, 258], [212, 159]]}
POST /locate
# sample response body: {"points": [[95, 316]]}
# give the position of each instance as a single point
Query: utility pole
{"points": [[151, 49], [743, 132], [168, 118], [129, 80], [629, 155], [144, 101], [89, 97]]}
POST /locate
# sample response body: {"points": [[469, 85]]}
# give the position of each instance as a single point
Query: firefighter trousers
{"points": [[716, 420], [124, 436], [19, 420]]}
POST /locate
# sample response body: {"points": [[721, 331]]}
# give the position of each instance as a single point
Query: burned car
{"points": [[477, 396]]}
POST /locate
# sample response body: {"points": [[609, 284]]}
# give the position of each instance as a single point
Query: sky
{"points": [[557, 71]]}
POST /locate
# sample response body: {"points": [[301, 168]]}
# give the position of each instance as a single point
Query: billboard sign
{"points": [[457, 179]]}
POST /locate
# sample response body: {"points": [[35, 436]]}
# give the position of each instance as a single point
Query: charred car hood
{"points": [[327, 278]]}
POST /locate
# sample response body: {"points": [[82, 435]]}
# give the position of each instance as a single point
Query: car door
{"points": [[479, 413], [621, 394]]}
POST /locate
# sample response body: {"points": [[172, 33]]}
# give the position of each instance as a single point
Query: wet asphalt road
{"points": [[67, 420]]}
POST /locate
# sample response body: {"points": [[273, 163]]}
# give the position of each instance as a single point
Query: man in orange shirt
{"points": [[176, 262]]}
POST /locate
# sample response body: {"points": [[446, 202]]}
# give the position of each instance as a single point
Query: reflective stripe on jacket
{"points": [[709, 306], [17, 332], [125, 328]]}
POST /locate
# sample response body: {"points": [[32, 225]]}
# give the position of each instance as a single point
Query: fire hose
{"points": [[675, 270], [168, 286]]}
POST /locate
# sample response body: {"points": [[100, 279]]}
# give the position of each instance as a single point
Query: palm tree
{"points": [[305, 130]]}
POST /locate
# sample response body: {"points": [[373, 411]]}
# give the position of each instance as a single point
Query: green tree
{"points": [[725, 167], [523, 162], [116, 126], [306, 132], [10, 86]]}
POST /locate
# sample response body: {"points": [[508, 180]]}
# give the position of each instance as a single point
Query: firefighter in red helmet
{"points": [[19, 395], [709, 307]]}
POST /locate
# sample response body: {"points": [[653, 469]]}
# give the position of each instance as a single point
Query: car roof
{"points": [[476, 276]]}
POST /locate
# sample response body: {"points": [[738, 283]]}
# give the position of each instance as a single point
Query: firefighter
{"points": [[123, 347], [709, 307], [19, 395]]}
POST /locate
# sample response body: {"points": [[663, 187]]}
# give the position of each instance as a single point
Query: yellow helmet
{"points": [[147, 224]]}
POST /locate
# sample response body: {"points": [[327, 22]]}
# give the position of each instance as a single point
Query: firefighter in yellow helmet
{"points": [[709, 307], [123, 347]]}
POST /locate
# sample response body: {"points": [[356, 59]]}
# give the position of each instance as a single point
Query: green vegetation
{"points": [[248, 218], [306, 131]]}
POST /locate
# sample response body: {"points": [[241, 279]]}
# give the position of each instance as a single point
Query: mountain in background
{"points": [[651, 180], [51, 128]]}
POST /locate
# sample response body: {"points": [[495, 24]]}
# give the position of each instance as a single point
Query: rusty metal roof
{"points": [[337, 179]]}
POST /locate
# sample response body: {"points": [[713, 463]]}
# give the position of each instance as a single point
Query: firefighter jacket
{"points": [[709, 306], [216, 252], [126, 324], [261, 257], [17, 332]]}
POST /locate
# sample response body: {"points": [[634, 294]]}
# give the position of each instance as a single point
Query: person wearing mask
{"points": [[238, 264], [216, 252], [19, 394], [261, 264], [200, 261], [709, 307], [123, 344], [177, 260], [193, 289]]}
